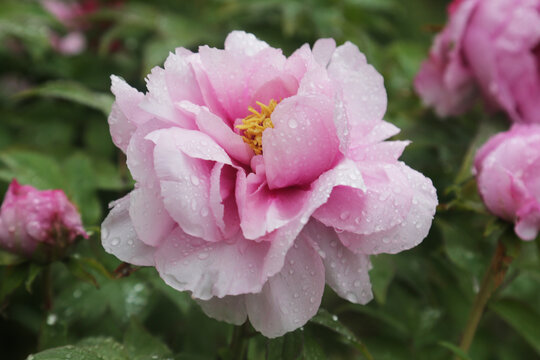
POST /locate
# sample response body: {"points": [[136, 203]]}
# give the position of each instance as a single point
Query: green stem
{"points": [[47, 288], [492, 280], [238, 345]]}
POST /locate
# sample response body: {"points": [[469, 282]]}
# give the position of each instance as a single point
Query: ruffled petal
{"points": [[302, 145], [231, 309], [210, 269], [149, 217], [410, 231], [346, 273], [217, 129], [290, 298], [361, 95], [384, 204], [323, 50], [119, 237], [184, 178]]}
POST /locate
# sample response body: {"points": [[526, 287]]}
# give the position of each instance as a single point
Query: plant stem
{"points": [[491, 281], [238, 345], [47, 288]]}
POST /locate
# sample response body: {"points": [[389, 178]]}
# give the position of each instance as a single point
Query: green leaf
{"points": [[455, 350], [31, 168], [81, 186], [72, 91], [381, 275], [312, 349], [89, 349], [141, 345], [522, 317], [331, 322], [33, 271], [11, 278], [77, 269], [7, 258]]}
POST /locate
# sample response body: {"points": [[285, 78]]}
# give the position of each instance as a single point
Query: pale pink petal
{"points": [[346, 272], [528, 223], [236, 77], [119, 237], [231, 309], [361, 93], [193, 143], [159, 103], [244, 44], [125, 114], [222, 133], [410, 231], [302, 145], [323, 50], [290, 298], [140, 152], [180, 79], [149, 217], [385, 202], [185, 181], [209, 269], [300, 62]]}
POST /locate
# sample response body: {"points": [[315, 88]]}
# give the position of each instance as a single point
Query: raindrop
{"points": [[115, 242], [293, 124], [202, 256]]}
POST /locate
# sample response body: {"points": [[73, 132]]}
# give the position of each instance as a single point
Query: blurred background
{"points": [[55, 64]]}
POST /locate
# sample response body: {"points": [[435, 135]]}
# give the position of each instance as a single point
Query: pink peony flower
{"points": [[489, 47], [260, 177], [508, 173], [32, 219]]}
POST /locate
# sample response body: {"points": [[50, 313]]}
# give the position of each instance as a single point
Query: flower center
{"points": [[254, 125]]}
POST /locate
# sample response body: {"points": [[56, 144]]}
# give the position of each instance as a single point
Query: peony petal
{"points": [[159, 103], [290, 298], [125, 114], [209, 269], [235, 77], [362, 96], [410, 231], [119, 237], [150, 220], [384, 204], [244, 44], [347, 273], [323, 50], [231, 309], [217, 129], [302, 145], [184, 182], [140, 152], [180, 79], [222, 199], [192, 143]]}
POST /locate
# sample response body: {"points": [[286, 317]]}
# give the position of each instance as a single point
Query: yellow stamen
{"points": [[253, 125]]}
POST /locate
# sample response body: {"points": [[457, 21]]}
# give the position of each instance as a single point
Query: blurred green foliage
{"points": [[54, 134]]}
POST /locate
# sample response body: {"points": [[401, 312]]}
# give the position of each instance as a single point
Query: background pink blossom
{"points": [[259, 235], [508, 173], [30, 218], [489, 47]]}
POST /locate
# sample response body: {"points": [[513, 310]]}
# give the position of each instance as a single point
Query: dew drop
{"points": [[293, 124]]}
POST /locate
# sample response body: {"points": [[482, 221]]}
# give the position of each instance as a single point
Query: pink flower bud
{"points": [[32, 220], [508, 174]]}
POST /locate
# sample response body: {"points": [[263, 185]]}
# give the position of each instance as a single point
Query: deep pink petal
{"points": [[303, 144]]}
